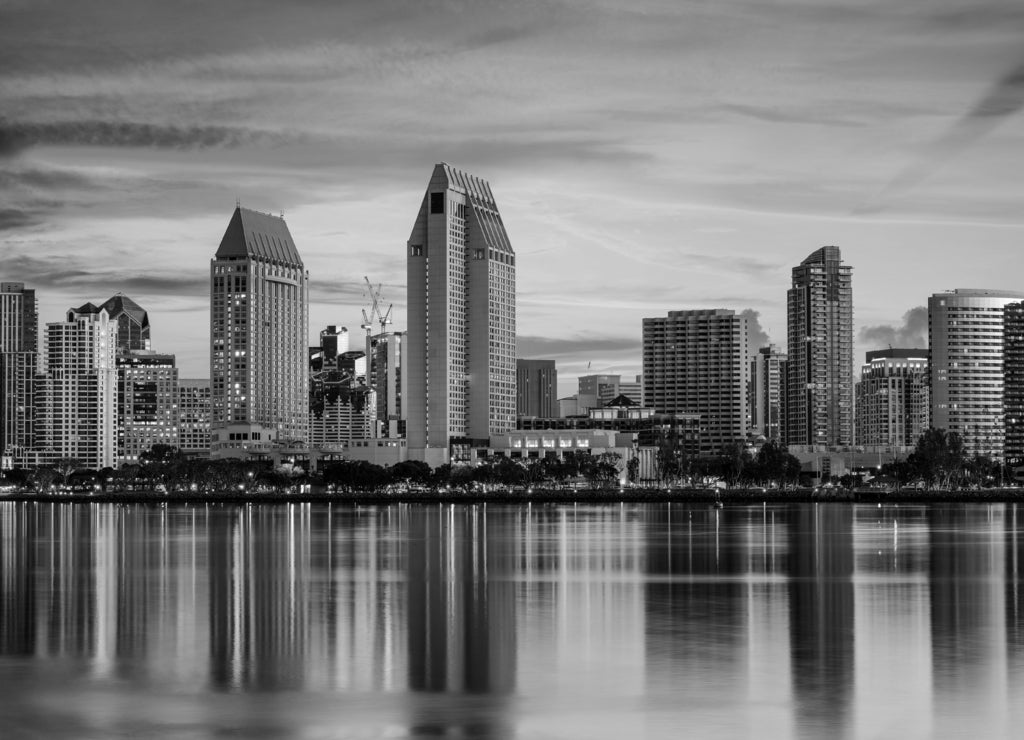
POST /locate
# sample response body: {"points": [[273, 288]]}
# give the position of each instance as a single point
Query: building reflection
{"points": [[461, 618], [821, 624], [17, 571], [967, 583]]}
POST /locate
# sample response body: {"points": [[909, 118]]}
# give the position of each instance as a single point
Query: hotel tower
{"points": [[259, 324], [461, 317]]}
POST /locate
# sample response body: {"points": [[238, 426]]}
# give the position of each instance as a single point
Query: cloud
{"points": [[1004, 98], [757, 335], [911, 334], [16, 136], [70, 272], [579, 347]]}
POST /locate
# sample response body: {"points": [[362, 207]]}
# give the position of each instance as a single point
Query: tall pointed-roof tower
{"points": [[259, 326], [461, 317]]}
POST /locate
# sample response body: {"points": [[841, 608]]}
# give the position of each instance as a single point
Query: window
{"points": [[437, 202], [416, 250]]}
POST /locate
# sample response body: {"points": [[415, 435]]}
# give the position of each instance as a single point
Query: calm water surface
{"points": [[310, 621]]}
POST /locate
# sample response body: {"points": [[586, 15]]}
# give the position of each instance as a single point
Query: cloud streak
{"points": [[16, 136], [1004, 99]]}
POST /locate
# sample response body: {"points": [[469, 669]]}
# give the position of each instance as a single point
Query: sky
{"points": [[646, 156]]}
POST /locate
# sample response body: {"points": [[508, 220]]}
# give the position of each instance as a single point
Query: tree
{"points": [[939, 457], [633, 469], [65, 466]]}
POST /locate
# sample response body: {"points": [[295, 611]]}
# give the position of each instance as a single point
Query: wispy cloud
{"points": [[1005, 98]]}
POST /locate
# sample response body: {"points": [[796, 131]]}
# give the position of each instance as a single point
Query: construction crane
{"points": [[376, 315]]}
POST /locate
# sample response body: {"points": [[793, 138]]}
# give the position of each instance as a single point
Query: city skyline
{"points": [[662, 157]]}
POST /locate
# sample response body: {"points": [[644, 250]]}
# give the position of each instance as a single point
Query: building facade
{"points": [[147, 403], [536, 388], [965, 339], [194, 414], [892, 398], [819, 402], [593, 391], [259, 327], [698, 362], [1013, 379], [461, 277], [76, 398], [387, 376], [768, 393], [19, 358]]}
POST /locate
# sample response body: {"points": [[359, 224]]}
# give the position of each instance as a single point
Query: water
{"points": [[310, 621]]}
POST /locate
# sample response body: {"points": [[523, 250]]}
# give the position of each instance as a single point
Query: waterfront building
{"points": [[194, 414], [259, 326], [768, 393], [892, 398], [386, 375], [76, 398], [819, 401], [1013, 378], [536, 387], [19, 357], [461, 317], [965, 339], [697, 362], [147, 403]]}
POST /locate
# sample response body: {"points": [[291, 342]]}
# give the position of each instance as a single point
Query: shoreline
{"points": [[542, 496]]}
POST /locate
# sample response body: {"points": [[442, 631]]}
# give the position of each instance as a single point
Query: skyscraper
{"points": [[76, 398], [19, 350], [698, 362], [819, 405], [965, 340], [194, 416], [147, 403], [536, 388], [461, 317], [892, 398], [1013, 375], [387, 375], [259, 326], [768, 393], [132, 322]]}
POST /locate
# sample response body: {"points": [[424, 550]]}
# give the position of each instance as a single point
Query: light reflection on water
{"points": [[825, 620]]}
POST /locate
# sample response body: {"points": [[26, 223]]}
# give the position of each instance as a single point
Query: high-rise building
{"points": [[819, 403], [461, 317], [19, 353], [386, 375], [132, 322], [259, 326], [536, 388], [194, 416], [342, 408], [633, 390], [76, 398], [593, 391], [147, 403], [892, 398], [768, 393], [1013, 379], [965, 340], [698, 362]]}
